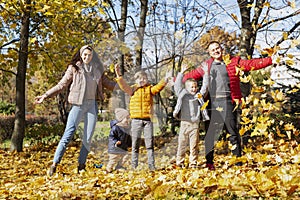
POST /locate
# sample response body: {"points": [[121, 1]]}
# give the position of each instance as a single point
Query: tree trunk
{"points": [[141, 32], [248, 37], [19, 128], [246, 30], [121, 35]]}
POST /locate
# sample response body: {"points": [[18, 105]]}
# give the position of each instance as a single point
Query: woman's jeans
{"points": [[88, 110]]}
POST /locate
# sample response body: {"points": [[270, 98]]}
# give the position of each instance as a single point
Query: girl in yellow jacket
{"points": [[141, 108]]}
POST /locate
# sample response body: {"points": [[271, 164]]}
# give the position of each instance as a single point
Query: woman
{"points": [[85, 74]]}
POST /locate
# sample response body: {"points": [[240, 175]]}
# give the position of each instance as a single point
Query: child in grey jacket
{"points": [[187, 110]]}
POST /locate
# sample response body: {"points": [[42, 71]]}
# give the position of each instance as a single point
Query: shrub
{"points": [[7, 126], [44, 133], [39, 125], [7, 108]]}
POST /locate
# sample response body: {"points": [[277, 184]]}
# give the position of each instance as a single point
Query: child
{"points": [[141, 108], [188, 109], [119, 140]]}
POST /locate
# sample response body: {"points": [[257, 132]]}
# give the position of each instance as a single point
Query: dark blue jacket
{"points": [[118, 133]]}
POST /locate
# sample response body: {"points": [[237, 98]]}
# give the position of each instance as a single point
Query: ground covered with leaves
{"points": [[270, 171]]}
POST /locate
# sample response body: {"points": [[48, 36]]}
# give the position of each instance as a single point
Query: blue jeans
{"points": [[88, 110], [137, 126]]}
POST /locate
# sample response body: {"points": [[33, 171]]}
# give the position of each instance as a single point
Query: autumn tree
{"points": [[19, 128], [50, 46]]}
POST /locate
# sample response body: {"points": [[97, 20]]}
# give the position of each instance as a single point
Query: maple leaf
{"points": [[295, 43], [234, 17], [112, 68], [267, 4], [296, 159], [269, 51], [255, 101], [289, 126], [245, 79], [181, 20], [258, 89], [204, 105], [232, 147], [278, 159], [199, 95], [278, 132], [290, 62], [293, 91], [226, 59], [250, 5], [245, 120], [220, 109], [268, 147], [268, 82], [243, 130], [285, 35], [292, 4]]}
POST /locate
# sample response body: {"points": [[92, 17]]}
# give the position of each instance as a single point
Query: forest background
{"points": [[38, 39]]}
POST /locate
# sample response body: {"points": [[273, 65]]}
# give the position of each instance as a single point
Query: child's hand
{"points": [[205, 67], [183, 68], [117, 70], [118, 142], [168, 75]]}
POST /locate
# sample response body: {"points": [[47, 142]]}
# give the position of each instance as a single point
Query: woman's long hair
{"points": [[95, 60]]}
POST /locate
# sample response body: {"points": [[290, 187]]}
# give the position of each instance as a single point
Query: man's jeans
{"points": [[88, 111], [222, 114]]}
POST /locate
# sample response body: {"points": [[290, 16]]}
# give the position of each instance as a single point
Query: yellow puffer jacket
{"points": [[141, 99]]}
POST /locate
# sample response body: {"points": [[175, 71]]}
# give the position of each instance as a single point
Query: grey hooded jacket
{"points": [[191, 111]]}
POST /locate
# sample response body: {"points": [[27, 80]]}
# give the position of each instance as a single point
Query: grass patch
{"points": [[101, 130]]}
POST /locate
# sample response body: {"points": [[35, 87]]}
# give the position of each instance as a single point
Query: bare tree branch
{"points": [[227, 13], [8, 71], [11, 42], [280, 19], [288, 33]]}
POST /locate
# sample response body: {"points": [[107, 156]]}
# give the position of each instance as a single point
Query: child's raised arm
{"points": [[184, 68], [117, 71], [205, 80], [178, 86], [121, 82]]}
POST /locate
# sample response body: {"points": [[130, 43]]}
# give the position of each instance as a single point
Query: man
{"points": [[224, 90]]}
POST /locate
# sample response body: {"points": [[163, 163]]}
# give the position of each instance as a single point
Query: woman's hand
{"points": [[39, 99]]}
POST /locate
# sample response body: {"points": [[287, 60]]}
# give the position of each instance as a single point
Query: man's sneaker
{"points": [[80, 168], [52, 170], [210, 166], [239, 164]]}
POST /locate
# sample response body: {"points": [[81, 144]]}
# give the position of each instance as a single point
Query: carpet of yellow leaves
{"points": [[270, 170]]}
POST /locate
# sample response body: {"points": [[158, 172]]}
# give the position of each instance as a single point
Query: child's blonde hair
{"points": [[140, 74], [190, 80]]}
